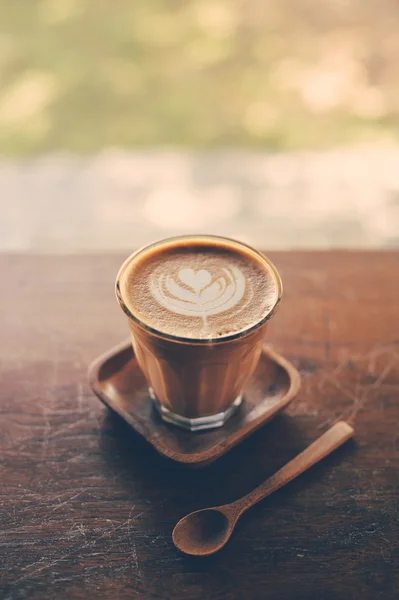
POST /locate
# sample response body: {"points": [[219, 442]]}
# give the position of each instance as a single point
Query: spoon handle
{"points": [[326, 443]]}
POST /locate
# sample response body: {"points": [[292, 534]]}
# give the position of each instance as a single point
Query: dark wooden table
{"points": [[87, 508]]}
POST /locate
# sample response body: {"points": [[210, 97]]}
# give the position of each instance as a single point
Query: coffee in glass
{"points": [[198, 308]]}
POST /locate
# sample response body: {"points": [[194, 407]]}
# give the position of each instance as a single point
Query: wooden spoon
{"points": [[206, 531]]}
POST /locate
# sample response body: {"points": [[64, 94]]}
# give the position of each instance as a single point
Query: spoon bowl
{"points": [[206, 531], [202, 532]]}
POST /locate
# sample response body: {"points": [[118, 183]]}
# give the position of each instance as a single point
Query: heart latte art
{"points": [[197, 293]]}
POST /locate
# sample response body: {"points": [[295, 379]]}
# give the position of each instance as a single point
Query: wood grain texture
{"points": [[87, 508]]}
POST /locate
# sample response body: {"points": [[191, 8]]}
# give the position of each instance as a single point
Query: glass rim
{"points": [[188, 340]]}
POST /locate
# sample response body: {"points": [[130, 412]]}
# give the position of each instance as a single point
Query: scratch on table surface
{"points": [[388, 368], [334, 381], [59, 432], [47, 431], [363, 392], [384, 537], [328, 329], [38, 528], [61, 504], [79, 529], [158, 537], [77, 458], [21, 443], [54, 497], [379, 350], [133, 544], [79, 397], [65, 555], [49, 396]]}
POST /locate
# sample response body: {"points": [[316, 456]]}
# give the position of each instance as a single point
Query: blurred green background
{"points": [[79, 75]]}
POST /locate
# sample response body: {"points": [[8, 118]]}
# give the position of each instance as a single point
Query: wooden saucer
{"points": [[116, 379]]}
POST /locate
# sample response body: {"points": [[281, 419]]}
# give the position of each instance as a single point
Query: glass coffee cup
{"points": [[198, 308]]}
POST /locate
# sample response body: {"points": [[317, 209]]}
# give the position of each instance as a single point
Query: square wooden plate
{"points": [[116, 379]]}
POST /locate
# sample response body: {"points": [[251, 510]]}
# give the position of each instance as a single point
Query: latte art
{"points": [[196, 294], [202, 288]]}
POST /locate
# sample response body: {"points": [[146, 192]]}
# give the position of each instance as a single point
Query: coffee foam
{"points": [[203, 289]]}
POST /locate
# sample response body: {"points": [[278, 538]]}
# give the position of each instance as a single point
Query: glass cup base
{"points": [[197, 423]]}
